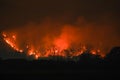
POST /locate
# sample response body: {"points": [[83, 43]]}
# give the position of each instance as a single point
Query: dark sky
{"points": [[14, 13], [19, 12]]}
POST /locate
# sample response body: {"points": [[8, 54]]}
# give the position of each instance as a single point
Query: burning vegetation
{"points": [[55, 39], [59, 48]]}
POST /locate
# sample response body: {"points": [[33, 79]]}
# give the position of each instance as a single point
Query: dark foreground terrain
{"points": [[85, 66]]}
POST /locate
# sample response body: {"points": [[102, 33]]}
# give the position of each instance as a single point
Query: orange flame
{"points": [[12, 42], [60, 46], [59, 50]]}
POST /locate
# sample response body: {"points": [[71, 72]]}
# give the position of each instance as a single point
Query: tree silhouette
{"points": [[114, 56]]}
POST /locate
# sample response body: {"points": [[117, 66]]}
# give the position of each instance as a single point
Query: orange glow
{"points": [[30, 52], [36, 56], [12, 42], [56, 37], [21, 51], [93, 52], [60, 43], [66, 42]]}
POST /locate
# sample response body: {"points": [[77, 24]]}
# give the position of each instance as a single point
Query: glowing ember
{"points": [[12, 42], [56, 51], [21, 51], [93, 52], [36, 56], [60, 47]]}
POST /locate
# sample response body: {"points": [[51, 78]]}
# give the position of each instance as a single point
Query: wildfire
{"points": [[12, 42], [60, 48]]}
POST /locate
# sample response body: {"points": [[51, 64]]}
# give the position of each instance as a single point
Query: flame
{"points": [[12, 42], [60, 45], [60, 48]]}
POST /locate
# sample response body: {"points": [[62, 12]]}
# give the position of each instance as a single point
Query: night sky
{"points": [[17, 13]]}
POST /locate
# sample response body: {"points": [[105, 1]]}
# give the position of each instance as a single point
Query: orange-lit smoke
{"points": [[51, 38]]}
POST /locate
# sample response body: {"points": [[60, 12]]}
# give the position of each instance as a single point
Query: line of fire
{"points": [[59, 48]]}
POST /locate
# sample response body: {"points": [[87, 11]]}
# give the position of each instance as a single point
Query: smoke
{"points": [[64, 35]]}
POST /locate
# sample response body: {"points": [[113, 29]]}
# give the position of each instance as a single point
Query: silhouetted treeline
{"points": [[83, 64]]}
